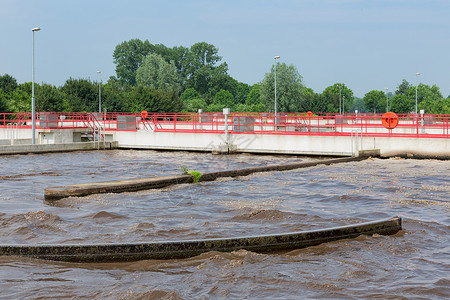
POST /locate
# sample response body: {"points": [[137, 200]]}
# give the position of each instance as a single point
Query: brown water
{"points": [[414, 263]]}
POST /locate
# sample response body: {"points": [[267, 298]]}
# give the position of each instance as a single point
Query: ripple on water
{"points": [[412, 263]]}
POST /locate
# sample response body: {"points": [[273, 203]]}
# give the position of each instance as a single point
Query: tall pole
{"points": [[340, 85], [275, 58], [387, 100], [99, 92], [417, 83], [343, 106], [33, 119]]}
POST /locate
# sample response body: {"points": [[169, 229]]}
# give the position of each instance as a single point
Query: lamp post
{"points": [[387, 100], [33, 119], [343, 106], [340, 85], [99, 92], [417, 74], [275, 58]]}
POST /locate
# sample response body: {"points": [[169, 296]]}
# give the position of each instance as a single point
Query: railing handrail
{"points": [[413, 125]]}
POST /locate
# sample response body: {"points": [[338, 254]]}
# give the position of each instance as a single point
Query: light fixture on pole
{"points": [[99, 92], [387, 100], [417, 74], [33, 119], [275, 58]]}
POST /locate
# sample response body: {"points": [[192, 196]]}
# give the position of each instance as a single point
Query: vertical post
{"points": [[340, 85], [200, 117], [275, 58], [387, 100], [226, 111], [33, 113], [343, 107], [417, 74], [99, 92]]}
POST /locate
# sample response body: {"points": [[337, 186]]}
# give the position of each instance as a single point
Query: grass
{"points": [[196, 175]]}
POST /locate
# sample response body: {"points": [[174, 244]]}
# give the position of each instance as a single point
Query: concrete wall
{"points": [[43, 148], [250, 143], [58, 136], [289, 144], [13, 133], [420, 147], [169, 140]]}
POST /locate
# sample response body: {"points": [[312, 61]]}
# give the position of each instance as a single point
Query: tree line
{"points": [[158, 78]]}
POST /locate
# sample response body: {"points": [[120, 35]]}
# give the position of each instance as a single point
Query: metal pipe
{"points": [[33, 118], [275, 58]]}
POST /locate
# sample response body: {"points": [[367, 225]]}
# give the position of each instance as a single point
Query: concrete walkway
{"points": [[130, 185]]}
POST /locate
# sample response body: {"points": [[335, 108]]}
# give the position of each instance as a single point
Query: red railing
{"points": [[410, 125]]}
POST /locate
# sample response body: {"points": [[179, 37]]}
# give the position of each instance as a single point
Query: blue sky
{"points": [[366, 44]]}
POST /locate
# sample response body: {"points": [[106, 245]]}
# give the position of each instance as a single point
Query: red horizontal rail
{"points": [[410, 125]]}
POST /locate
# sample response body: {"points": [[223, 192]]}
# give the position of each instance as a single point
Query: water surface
{"points": [[412, 264]]}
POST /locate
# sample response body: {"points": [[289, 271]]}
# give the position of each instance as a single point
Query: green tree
{"points": [[240, 91], [128, 57], [402, 104], [224, 98], [431, 100], [18, 100], [254, 96], [289, 88], [3, 102], [208, 81], [81, 94], [8, 83], [199, 81], [404, 100], [179, 57], [192, 101], [312, 101], [189, 94], [220, 80], [204, 74], [114, 95], [403, 88], [152, 100], [335, 94], [441, 106], [202, 55], [259, 107], [156, 73], [194, 104], [50, 98], [426, 92], [375, 101], [358, 104]]}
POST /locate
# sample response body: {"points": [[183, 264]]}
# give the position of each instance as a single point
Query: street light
{"points": [[387, 100], [99, 92], [33, 119], [275, 58], [417, 74]]}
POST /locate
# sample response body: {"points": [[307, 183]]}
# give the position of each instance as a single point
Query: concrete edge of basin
{"points": [[132, 185], [190, 248]]}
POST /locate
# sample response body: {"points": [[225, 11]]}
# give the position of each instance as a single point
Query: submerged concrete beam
{"points": [[130, 185], [116, 186], [52, 148], [185, 249]]}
